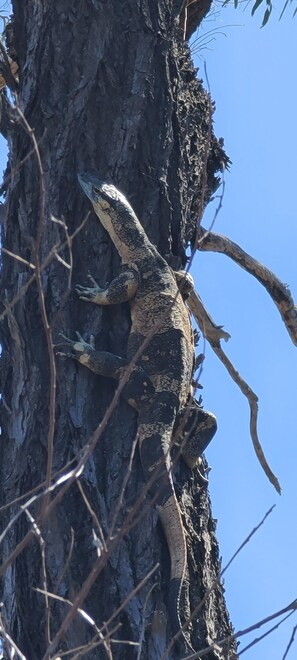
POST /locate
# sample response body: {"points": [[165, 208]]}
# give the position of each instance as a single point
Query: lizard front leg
{"points": [[121, 289], [138, 389]]}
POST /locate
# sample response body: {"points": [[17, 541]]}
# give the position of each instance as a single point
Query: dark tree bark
{"points": [[108, 85]]}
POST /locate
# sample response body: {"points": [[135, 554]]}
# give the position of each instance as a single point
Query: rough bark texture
{"points": [[108, 85]]}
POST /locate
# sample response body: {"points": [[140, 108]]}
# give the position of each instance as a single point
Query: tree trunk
{"points": [[111, 86]]}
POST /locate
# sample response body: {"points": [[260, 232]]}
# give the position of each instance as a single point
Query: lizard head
{"points": [[115, 214], [104, 196]]}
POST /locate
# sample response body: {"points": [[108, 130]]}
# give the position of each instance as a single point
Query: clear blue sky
{"points": [[252, 75]]}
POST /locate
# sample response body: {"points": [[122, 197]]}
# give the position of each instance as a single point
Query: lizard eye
{"points": [[103, 197]]}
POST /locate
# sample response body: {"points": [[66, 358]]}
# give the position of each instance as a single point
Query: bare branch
{"points": [[10, 644], [290, 643], [67, 562], [41, 541], [253, 403], [52, 254], [43, 312], [36, 488], [86, 617], [92, 514], [292, 607], [266, 634], [18, 258], [212, 333], [142, 632], [123, 488], [80, 599], [248, 538], [279, 292]]}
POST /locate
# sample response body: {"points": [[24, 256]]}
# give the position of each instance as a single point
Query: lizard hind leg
{"points": [[198, 427]]}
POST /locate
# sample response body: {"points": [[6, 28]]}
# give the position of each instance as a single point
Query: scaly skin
{"points": [[166, 364]]}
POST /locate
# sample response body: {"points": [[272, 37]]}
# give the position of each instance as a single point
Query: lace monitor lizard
{"points": [[159, 387]]}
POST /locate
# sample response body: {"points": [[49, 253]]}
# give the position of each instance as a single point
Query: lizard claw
{"points": [[95, 284], [62, 354], [66, 340], [91, 343], [87, 293], [80, 346]]}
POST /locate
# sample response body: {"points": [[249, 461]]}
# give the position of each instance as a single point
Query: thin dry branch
{"points": [[291, 641], [83, 650], [266, 634], [86, 617], [219, 645], [143, 627], [9, 645], [253, 403], [213, 333], [99, 565], [52, 254], [42, 307], [67, 562], [30, 492], [80, 599], [279, 292], [247, 540], [18, 258], [123, 488], [41, 541], [93, 515]]}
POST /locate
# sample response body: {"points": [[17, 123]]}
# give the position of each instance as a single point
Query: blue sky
{"points": [[252, 75], [253, 83]]}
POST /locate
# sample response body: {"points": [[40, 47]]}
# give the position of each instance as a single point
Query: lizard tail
{"points": [[157, 471], [173, 528]]}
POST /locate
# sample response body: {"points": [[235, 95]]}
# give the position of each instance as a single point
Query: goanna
{"points": [[160, 385]]}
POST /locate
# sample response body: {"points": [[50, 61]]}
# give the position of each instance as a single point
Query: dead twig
{"points": [[43, 312], [67, 562], [52, 254], [213, 333], [253, 403], [37, 532], [142, 631], [292, 607], [290, 643], [279, 292], [266, 634], [93, 516], [80, 599], [10, 645], [247, 540]]}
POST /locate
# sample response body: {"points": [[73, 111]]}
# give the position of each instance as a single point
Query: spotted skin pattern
{"points": [[160, 384]]}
